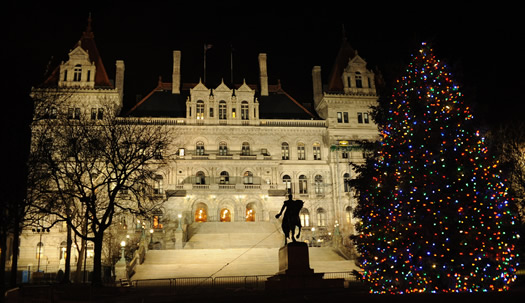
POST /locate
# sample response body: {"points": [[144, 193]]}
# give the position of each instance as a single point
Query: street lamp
{"points": [[40, 245], [151, 238]]}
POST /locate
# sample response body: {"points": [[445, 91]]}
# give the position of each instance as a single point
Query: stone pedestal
{"points": [[121, 271], [295, 272], [178, 239]]}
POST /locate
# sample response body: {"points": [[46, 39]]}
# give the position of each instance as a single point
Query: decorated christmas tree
{"points": [[434, 213]]}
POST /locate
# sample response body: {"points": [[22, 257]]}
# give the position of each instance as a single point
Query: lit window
{"points": [[158, 184], [317, 151], [300, 151], [199, 149], [287, 183], [318, 184], [223, 149], [285, 151], [321, 217], [248, 177], [39, 250], [303, 184], [225, 215], [304, 215], [339, 117], [250, 213], [201, 213], [200, 110], [224, 177]]}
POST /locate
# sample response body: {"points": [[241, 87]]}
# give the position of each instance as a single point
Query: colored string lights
{"points": [[435, 215]]}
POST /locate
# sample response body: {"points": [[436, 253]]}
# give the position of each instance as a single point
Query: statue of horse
{"points": [[291, 218]]}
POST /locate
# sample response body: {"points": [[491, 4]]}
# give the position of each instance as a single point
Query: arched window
{"points": [[200, 178], [224, 177], [250, 212], [225, 215], [200, 110], [287, 183], [201, 213], [304, 215], [244, 111], [358, 80], [223, 149], [317, 151], [321, 217], [199, 148], [300, 151], [346, 182], [77, 73], [285, 151], [222, 110], [245, 150], [248, 177], [303, 184], [318, 184]]}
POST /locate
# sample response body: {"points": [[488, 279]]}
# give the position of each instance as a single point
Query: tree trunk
{"points": [[67, 266], [97, 259], [3, 252], [16, 251], [80, 261]]}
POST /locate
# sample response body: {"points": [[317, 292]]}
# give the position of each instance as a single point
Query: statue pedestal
{"points": [[295, 272]]}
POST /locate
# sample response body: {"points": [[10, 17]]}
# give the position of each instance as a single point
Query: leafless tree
{"points": [[82, 165]]}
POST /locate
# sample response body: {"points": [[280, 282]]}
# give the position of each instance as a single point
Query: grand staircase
{"points": [[231, 249]]}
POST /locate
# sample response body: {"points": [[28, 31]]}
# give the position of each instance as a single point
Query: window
{"points": [[63, 248], [339, 117], [248, 177], [344, 154], [250, 212], [245, 149], [321, 217], [223, 149], [211, 112], [199, 149], [88, 75], [200, 110], [97, 113], [244, 110], [300, 151], [358, 80], [77, 73], [201, 213], [303, 184], [73, 113], [158, 185], [224, 177], [318, 184], [304, 215], [233, 113], [222, 110], [345, 117], [200, 178], [363, 118], [346, 182], [65, 75], [285, 151], [317, 151], [359, 117], [225, 215], [287, 183]]}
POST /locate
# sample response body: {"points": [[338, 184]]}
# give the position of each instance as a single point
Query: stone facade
{"points": [[238, 149]]}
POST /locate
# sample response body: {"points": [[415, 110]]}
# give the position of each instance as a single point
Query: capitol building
{"points": [[237, 150]]}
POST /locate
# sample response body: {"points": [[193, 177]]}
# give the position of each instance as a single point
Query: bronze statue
{"points": [[291, 218]]}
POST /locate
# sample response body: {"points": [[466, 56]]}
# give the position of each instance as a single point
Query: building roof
{"points": [[346, 52], [87, 42], [161, 102]]}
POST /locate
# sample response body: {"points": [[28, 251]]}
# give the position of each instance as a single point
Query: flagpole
{"points": [[231, 64], [205, 49]]}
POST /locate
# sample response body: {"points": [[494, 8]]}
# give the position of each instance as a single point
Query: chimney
{"points": [[263, 74], [175, 89], [317, 85], [119, 82]]}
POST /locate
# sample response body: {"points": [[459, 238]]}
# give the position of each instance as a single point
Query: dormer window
{"points": [[200, 110], [222, 110], [244, 110], [77, 73], [358, 80]]}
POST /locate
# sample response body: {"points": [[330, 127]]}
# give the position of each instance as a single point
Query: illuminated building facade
{"points": [[238, 149]]}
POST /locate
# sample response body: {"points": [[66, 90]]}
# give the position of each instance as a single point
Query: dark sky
{"points": [[480, 42]]}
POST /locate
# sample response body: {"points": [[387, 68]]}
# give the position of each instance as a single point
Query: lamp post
{"points": [[151, 238], [180, 222], [40, 245]]}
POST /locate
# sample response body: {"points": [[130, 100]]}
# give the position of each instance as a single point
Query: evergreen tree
{"points": [[434, 213]]}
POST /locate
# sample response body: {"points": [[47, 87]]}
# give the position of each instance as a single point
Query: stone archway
{"points": [[201, 212]]}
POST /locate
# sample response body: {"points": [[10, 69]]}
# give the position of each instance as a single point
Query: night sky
{"points": [[480, 43]]}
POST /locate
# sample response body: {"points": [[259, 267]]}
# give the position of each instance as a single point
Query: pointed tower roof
{"points": [[87, 43], [346, 52]]}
